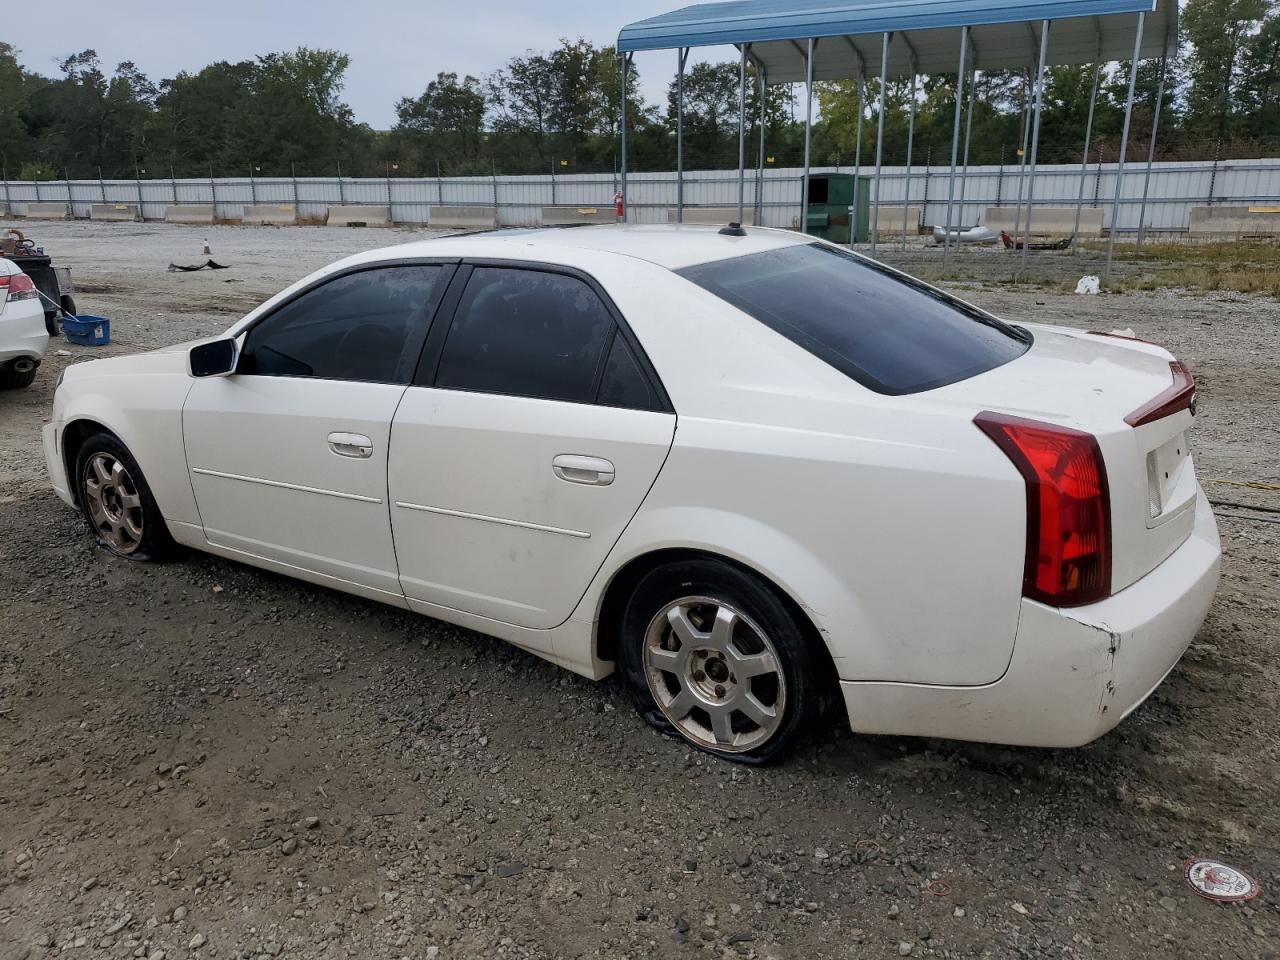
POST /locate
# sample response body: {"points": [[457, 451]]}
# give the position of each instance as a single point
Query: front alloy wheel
{"points": [[113, 503], [714, 674]]}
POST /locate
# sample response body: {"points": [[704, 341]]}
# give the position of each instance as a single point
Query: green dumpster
{"points": [[831, 202]]}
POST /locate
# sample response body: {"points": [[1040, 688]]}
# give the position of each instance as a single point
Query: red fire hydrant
{"points": [[617, 203]]}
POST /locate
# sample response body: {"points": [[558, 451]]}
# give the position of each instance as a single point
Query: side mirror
{"points": [[215, 359]]}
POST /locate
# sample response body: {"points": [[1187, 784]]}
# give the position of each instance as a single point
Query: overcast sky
{"points": [[396, 46]]}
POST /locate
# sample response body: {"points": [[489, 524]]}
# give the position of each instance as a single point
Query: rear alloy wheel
{"points": [[712, 654], [117, 502], [714, 674]]}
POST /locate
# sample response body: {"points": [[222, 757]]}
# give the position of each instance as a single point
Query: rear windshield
{"points": [[887, 331]]}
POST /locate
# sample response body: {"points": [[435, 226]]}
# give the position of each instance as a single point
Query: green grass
{"points": [[1246, 266]]}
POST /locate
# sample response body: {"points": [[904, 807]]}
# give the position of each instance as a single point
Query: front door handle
{"points": [[351, 445], [589, 470]]}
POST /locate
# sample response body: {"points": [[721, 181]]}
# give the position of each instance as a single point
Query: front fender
{"points": [[144, 409]]}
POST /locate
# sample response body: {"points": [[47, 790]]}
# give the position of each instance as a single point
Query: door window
{"points": [[527, 333], [366, 326]]}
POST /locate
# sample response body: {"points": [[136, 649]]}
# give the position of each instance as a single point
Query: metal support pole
{"points": [[854, 213], [66, 179], [1000, 177], [742, 131], [622, 189], [1022, 157], [808, 134], [8, 204], [875, 204], [493, 174], [1084, 162], [911, 132], [342, 191], [253, 185], [1151, 153], [764, 93], [682, 59], [1035, 139], [37, 186], [1124, 145], [955, 145], [173, 184], [137, 179], [293, 177], [968, 133], [213, 190]]}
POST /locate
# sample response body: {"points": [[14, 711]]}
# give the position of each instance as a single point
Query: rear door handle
{"points": [[589, 470], [351, 445]]}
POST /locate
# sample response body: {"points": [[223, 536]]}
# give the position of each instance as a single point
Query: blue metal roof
{"points": [[1003, 31]]}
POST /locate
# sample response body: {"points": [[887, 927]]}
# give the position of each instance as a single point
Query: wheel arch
{"points": [[624, 580], [74, 434]]}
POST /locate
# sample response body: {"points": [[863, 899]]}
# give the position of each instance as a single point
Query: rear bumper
{"points": [[1075, 673], [22, 331]]}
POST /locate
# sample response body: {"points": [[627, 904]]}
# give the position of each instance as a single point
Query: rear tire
{"points": [[117, 503], [10, 379], [710, 653]]}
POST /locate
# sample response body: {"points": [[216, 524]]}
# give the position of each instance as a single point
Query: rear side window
{"points": [[890, 333], [527, 333], [362, 326]]}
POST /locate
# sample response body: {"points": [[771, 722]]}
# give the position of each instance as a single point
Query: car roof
{"points": [[668, 245]]}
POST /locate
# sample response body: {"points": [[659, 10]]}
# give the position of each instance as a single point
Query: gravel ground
{"points": [[199, 759]]}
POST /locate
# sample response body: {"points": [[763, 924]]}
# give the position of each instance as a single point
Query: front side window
{"points": [[527, 333], [366, 326], [887, 331]]}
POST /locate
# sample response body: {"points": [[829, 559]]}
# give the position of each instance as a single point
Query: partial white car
{"points": [[24, 337], [756, 474]]}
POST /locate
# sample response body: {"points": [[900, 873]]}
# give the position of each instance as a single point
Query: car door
{"points": [[288, 455], [533, 432]]}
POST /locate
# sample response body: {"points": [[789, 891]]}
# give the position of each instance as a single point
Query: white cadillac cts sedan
{"points": [[757, 474]]}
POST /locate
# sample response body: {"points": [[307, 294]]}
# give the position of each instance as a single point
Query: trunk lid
{"points": [[1091, 383]]}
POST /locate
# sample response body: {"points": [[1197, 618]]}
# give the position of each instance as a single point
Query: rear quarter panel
{"points": [[892, 521]]}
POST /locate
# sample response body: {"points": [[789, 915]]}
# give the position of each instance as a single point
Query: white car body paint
{"points": [[895, 524]]}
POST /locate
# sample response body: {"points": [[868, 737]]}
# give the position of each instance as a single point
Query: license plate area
{"points": [[1171, 482]]}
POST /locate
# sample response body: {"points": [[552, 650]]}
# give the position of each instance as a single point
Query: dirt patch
{"points": [[204, 759]]}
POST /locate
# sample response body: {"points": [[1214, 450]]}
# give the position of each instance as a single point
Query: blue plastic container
{"points": [[87, 331]]}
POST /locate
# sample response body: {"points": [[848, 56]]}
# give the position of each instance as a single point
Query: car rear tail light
{"points": [[1068, 560], [17, 287], [1180, 396]]}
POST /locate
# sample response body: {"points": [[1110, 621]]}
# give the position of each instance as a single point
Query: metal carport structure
{"points": [[792, 41]]}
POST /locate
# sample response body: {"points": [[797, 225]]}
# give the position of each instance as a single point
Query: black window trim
{"points": [[429, 364], [430, 313]]}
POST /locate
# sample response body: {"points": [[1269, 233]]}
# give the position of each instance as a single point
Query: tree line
{"points": [[557, 111]]}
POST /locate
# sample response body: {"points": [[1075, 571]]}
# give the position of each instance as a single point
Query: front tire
{"points": [[117, 503], [711, 653]]}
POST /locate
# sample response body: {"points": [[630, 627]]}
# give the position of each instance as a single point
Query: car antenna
{"points": [[734, 229]]}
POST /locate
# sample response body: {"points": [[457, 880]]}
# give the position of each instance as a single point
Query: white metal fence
{"points": [[1175, 189]]}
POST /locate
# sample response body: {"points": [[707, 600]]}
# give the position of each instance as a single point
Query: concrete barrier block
{"points": [[120, 212], [561, 216], [712, 215], [188, 213], [462, 218], [889, 220], [1235, 221], [278, 214], [1045, 221], [359, 216], [44, 210]]}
